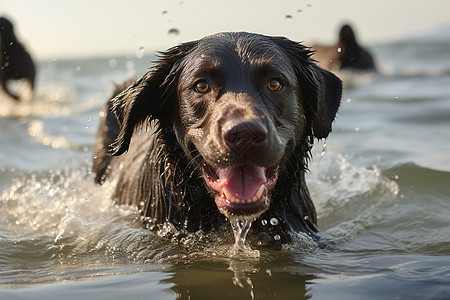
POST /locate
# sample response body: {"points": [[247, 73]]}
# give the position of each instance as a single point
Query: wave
{"points": [[348, 197]]}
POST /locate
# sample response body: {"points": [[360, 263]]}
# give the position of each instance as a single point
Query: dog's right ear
{"points": [[149, 98], [320, 89]]}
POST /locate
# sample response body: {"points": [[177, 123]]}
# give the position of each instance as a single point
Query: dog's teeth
{"points": [[228, 195], [259, 192], [253, 199]]}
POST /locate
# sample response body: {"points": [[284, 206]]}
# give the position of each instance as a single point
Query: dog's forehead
{"points": [[236, 47]]}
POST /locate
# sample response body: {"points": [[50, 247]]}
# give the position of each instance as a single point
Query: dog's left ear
{"points": [[320, 89], [150, 97], [329, 92]]}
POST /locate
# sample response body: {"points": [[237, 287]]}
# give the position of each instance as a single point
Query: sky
{"points": [[85, 28]]}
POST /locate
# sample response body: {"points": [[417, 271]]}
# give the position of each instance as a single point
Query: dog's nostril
{"points": [[246, 136]]}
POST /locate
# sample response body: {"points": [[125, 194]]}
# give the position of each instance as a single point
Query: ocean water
{"points": [[380, 183]]}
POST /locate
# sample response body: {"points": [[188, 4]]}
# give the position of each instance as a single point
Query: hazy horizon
{"points": [[59, 29]]}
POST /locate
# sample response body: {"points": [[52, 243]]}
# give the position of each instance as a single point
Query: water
{"points": [[380, 186], [241, 227]]}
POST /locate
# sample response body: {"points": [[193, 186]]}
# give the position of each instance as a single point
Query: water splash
{"points": [[241, 227]]}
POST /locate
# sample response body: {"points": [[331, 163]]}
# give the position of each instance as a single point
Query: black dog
{"points": [[230, 120], [346, 54], [16, 63]]}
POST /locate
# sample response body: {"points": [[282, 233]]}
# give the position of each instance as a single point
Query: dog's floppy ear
{"points": [[329, 92], [320, 90], [149, 98]]}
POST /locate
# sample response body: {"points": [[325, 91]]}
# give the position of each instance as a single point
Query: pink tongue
{"points": [[242, 181]]}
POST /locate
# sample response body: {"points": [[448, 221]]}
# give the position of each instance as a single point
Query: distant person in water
{"points": [[15, 62], [346, 54]]}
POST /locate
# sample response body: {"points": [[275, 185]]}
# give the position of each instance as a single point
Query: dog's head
{"points": [[239, 103]]}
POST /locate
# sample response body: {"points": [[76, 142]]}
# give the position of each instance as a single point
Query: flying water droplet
{"points": [[274, 221], [288, 18], [173, 33], [140, 52]]}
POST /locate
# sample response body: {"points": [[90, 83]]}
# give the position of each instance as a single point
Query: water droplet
{"points": [[288, 18], [357, 128], [173, 33], [339, 49], [165, 13], [264, 222], [395, 176], [274, 221], [348, 100], [306, 218], [299, 11], [140, 52], [95, 156], [112, 63], [276, 237], [129, 65]]}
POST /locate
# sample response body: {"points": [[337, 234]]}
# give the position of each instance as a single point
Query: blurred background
{"points": [[60, 29], [380, 182]]}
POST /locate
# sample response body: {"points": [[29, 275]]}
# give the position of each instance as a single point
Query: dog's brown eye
{"points": [[274, 85], [201, 86]]}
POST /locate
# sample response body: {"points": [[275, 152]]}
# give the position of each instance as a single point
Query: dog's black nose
{"points": [[246, 137]]}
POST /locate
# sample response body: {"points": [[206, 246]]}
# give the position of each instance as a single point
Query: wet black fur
{"points": [[161, 171]]}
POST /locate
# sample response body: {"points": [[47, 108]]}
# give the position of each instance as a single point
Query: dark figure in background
{"points": [[346, 54], [16, 63]]}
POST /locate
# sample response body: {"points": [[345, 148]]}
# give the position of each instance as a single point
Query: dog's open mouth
{"points": [[241, 190]]}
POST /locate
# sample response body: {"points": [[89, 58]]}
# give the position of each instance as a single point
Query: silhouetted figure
{"points": [[15, 62], [346, 54]]}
